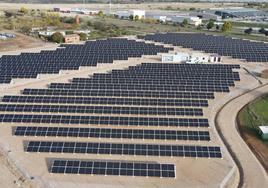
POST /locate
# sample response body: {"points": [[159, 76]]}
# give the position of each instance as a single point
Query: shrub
{"points": [[83, 36], [227, 26], [57, 37], [210, 25], [248, 31]]}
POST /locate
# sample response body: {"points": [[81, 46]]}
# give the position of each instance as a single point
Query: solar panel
{"points": [[226, 46], [104, 120], [112, 133], [115, 168], [124, 149]]}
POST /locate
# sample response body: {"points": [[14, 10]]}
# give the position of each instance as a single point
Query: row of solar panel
{"points": [[31, 64], [112, 133], [104, 120], [101, 110], [173, 65], [123, 168], [105, 101], [123, 93], [129, 87], [150, 82], [214, 44], [124, 149]]}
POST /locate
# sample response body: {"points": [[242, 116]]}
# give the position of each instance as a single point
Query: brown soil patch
{"points": [[20, 42]]}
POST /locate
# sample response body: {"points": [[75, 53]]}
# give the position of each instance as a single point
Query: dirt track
{"points": [[252, 173]]}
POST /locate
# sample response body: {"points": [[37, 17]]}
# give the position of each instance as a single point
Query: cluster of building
{"points": [[68, 38], [76, 11], [190, 58], [5, 36], [162, 17]]}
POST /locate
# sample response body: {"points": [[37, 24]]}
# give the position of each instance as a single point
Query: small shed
{"points": [[74, 38], [263, 130]]}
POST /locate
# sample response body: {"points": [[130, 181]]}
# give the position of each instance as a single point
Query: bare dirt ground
{"points": [[252, 173], [20, 42], [145, 6]]}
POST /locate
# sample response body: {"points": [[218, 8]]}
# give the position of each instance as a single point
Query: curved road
{"points": [[252, 174]]}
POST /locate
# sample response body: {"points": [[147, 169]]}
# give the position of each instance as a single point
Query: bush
{"points": [[227, 26], [248, 31], [57, 37], [100, 14], [184, 23], [83, 36], [199, 27], [210, 25], [262, 31], [24, 10], [25, 29], [100, 26], [69, 32], [89, 23]]}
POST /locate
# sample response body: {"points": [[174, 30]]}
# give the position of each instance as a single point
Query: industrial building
{"points": [[240, 13], [192, 20], [140, 14]]}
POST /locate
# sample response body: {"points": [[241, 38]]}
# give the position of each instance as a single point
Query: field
{"points": [[249, 118]]}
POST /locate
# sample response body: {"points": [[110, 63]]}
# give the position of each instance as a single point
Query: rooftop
{"points": [[264, 129]]}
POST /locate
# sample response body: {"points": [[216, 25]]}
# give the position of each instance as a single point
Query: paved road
{"points": [[253, 174]]}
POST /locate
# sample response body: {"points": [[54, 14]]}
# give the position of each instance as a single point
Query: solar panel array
{"points": [[152, 102], [225, 46], [113, 168], [71, 57]]}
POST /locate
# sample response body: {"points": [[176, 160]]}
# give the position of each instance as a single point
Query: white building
{"points": [[191, 58], [191, 20], [160, 18], [49, 33], [139, 13], [126, 14], [263, 130], [175, 58], [123, 14]]}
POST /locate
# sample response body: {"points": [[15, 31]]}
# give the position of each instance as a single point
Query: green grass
{"points": [[255, 114]]}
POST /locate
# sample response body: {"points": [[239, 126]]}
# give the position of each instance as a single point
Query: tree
{"points": [[136, 18], [227, 26], [248, 31], [184, 23], [100, 26], [57, 37], [83, 36], [131, 17], [33, 12], [218, 27], [24, 10], [262, 31], [100, 14], [210, 24]]}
